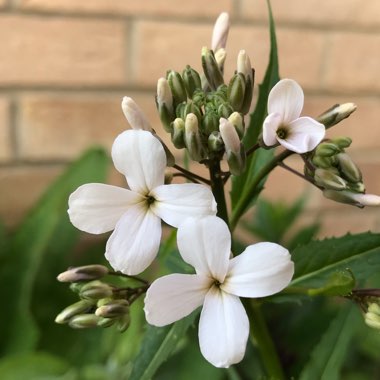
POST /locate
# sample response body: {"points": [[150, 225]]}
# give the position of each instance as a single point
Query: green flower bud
{"points": [[84, 273], [84, 321], [192, 108], [124, 322], [76, 286], [177, 86], [322, 162], [180, 110], [244, 67], [348, 168], [211, 69], [220, 57], [336, 114], [115, 309], [106, 322], [76, 308], [236, 90], [225, 110], [215, 142], [192, 138], [178, 133], [357, 187], [95, 290], [210, 123], [328, 180], [105, 301], [238, 122], [327, 149], [192, 81], [164, 100], [342, 142]]}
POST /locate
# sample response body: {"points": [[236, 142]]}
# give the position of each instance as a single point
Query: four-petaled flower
{"points": [[284, 125], [261, 270], [135, 214]]}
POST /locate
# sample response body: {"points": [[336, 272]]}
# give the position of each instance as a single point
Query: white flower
{"points": [[261, 270], [135, 214], [284, 125]]}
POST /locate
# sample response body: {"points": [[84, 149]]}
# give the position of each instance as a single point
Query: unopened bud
{"points": [[76, 308], [95, 290], [322, 162], [329, 180], [134, 115], [215, 142], [357, 187], [106, 322], [236, 90], [244, 65], [220, 32], [124, 322], [211, 69], [348, 168], [238, 122], [191, 107], [356, 199], [225, 110], [84, 321], [177, 86], [192, 81], [327, 149], [192, 138], [113, 310], [336, 114], [210, 123], [83, 273], [165, 104], [342, 142], [178, 133], [372, 316], [220, 57]]}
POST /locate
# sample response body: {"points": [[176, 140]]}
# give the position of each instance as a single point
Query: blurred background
{"points": [[65, 65]]}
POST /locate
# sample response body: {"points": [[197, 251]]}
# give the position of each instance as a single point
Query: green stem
{"points": [[247, 196], [217, 187], [262, 340]]}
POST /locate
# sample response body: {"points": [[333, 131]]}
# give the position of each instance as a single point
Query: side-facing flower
{"points": [[284, 125], [261, 270], [135, 215]]}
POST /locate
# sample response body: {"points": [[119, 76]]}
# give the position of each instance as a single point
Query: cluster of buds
{"points": [[207, 119], [101, 304]]}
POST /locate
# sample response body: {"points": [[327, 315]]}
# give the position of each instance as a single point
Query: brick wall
{"points": [[65, 64]]}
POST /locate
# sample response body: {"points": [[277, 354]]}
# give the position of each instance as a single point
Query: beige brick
{"points": [[363, 126], [132, 7], [21, 187], [61, 51], [316, 12], [5, 138], [353, 62]]}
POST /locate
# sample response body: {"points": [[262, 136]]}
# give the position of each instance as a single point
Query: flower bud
{"points": [[115, 309], [178, 133], [356, 199], [124, 322], [192, 80], [220, 32], [192, 138], [238, 122], [134, 115], [348, 168], [84, 321], [327, 149], [76, 308], [210, 123], [236, 90], [106, 322], [357, 187], [322, 162], [336, 114], [211, 69], [164, 100], [177, 86], [225, 110], [244, 65], [329, 180], [215, 142], [342, 142], [95, 290], [372, 316], [220, 57], [83, 273], [193, 108]]}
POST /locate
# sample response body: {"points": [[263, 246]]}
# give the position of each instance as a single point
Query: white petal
{"points": [[270, 126], [96, 208], [175, 296], [304, 134], [223, 328], [286, 99], [134, 243], [261, 270], [220, 32], [206, 245], [141, 158], [174, 203], [134, 115]]}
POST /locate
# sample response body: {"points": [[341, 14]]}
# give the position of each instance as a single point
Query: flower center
{"points": [[282, 133], [150, 200]]}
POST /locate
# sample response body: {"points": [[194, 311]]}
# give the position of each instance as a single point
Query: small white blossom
{"points": [[135, 215], [261, 270], [284, 125]]}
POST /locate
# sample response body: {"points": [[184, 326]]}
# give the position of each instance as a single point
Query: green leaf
{"points": [[317, 261], [247, 187], [340, 283], [157, 345], [328, 356], [303, 236], [35, 366], [28, 247]]}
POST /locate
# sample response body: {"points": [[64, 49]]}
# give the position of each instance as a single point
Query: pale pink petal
{"points": [[134, 243], [220, 32], [304, 134], [261, 270], [174, 203], [223, 328], [270, 126], [205, 244], [96, 208], [175, 296], [141, 158], [286, 99]]}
